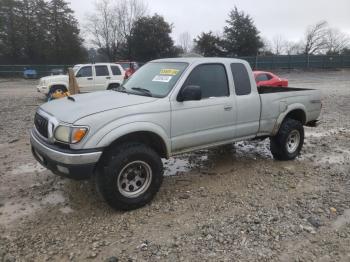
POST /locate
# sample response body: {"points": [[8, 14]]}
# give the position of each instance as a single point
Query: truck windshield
{"points": [[155, 79]]}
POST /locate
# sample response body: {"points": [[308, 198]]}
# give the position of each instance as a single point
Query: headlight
{"points": [[62, 133], [67, 134]]}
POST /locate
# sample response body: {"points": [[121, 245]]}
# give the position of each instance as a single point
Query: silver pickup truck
{"points": [[167, 107]]}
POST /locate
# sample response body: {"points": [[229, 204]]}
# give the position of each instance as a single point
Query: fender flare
{"points": [[282, 116], [134, 127]]}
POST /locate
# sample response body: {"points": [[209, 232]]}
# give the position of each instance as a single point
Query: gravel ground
{"points": [[233, 203]]}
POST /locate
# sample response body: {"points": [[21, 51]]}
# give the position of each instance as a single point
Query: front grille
{"points": [[41, 125]]}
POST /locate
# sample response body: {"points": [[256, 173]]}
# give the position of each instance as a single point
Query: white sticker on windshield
{"points": [[159, 78]]}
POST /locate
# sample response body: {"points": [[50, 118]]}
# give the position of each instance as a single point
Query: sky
{"points": [[289, 18]]}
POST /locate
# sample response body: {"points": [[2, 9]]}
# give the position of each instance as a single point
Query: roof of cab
{"points": [[95, 64], [191, 60]]}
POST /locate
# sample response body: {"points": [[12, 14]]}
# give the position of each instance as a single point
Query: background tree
{"points": [[279, 44], [110, 26], [293, 48], [64, 39], [315, 38], [102, 27], [241, 35], [345, 51], [150, 39], [185, 42], [39, 31], [208, 44], [266, 49], [336, 41], [10, 31]]}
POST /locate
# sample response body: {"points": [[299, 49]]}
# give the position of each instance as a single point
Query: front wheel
{"points": [[113, 87], [288, 142], [130, 176]]}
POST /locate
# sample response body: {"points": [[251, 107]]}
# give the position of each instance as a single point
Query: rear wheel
{"points": [[288, 142], [130, 176]]}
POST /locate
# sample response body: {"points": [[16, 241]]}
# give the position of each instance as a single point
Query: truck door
{"points": [[102, 77], [247, 101], [206, 121], [85, 78]]}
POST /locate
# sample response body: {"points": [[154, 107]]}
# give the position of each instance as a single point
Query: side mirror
{"points": [[190, 93]]}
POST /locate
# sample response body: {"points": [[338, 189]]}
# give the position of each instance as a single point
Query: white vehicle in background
{"points": [[90, 77]]}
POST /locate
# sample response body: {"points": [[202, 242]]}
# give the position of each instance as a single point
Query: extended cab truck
{"points": [[90, 77], [168, 107]]}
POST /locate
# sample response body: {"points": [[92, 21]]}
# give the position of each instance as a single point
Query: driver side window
{"points": [[85, 71], [211, 78]]}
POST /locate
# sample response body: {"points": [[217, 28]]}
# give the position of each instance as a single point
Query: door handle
{"points": [[228, 108], [89, 78], [108, 77]]}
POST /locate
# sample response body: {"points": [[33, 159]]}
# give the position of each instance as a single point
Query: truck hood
{"points": [[57, 78], [69, 111]]}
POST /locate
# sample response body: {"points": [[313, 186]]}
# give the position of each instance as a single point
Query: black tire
{"points": [[113, 86], [109, 175], [280, 145]]}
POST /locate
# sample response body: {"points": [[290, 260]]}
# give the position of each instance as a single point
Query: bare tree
{"points": [[186, 42], [267, 47], [336, 41], [279, 44], [315, 38], [110, 25], [128, 11], [293, 48]]}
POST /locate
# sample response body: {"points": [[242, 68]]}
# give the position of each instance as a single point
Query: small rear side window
{"points": [[241, 79], [116, 71]]}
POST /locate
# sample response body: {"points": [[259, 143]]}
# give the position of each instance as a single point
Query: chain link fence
{"points": [[298, 62], [36, 71], [256, 62]]}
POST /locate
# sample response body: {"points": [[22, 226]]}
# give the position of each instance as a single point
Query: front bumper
{"points": [[75, 164], [42, 89]]}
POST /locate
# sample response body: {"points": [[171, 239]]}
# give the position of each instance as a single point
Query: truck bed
{"points": [[277, 100]]}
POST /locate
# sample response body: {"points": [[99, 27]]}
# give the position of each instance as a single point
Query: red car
{"points": [[268, 79]]}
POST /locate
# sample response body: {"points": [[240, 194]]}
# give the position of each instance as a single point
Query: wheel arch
{"points": [[58, 84], [113, 83], [296, 112], [148, 138]]}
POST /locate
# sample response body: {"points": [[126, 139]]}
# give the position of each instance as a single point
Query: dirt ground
{"points": [[233, 203]]}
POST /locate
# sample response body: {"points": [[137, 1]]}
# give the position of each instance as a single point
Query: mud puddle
{"points": [[28, 168]]}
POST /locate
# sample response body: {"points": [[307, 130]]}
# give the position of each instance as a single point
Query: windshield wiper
{"points": [[143, 90]]}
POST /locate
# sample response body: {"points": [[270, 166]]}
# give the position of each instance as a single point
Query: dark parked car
{"points": [[30, 73]]}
